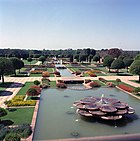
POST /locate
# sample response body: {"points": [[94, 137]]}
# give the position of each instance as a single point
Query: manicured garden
{"points": [[19, 115]]}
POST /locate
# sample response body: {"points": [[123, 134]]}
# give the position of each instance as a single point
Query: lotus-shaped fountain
{"points": [[102, 107]]}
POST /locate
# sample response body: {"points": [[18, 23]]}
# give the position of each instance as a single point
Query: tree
{"points": [[6, 67], [108, 61], [71, 58], [17, 63], [127, 61], [114, 52], [137, 57], [96, 58], [135, 68], [30, 60], [42, 59], [36, 82], [2, 112], [117, 64]]}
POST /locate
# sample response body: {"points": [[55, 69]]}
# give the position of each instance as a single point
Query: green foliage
{"points": [[6, 67], [32, 92], [36, 82], [114, 52], [108, 61], [11, 103], [96, 58], [117, 64], [12, 137], [137, 57], [137, 90], [135, 67], [29, 59], [2, 112], [127, 61], [17, 63], [42, 59]]}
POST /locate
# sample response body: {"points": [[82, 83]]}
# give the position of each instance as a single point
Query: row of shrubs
{"points": [[126, 88], [15, 133], [92, 73], [45, 83], [19, 101], [61, 84]]}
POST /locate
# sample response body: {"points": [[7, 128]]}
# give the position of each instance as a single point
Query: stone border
{"points": [[30, 138]]}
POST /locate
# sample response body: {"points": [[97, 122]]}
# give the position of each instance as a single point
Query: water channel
{"points": [[57, 118], [64, 72]]}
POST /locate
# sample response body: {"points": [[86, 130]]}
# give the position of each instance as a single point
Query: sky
{"points": [[63, 24]]}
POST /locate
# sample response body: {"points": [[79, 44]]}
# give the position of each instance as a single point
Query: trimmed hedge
{"points": [[126, 88]]}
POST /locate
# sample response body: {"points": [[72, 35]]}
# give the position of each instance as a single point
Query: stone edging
{"points": [[30, 138]]}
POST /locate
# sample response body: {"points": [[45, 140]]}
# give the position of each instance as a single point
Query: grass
{"points": [[136, 81], [20, 116], [36, 75], [28, 63], [52, 84], [74, 69], [24, 89]]}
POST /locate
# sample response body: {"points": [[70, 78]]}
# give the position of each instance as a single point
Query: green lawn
{"points": [[136, 81], [24, 89], [28, 63], [74, 69], [20, 116], [36, 75], [52, 84]]}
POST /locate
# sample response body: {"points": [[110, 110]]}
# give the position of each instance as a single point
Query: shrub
{"points": [[32, 92], [137, 90], [21, 103], [77, 73], [118, 80], [3, 133], [110, 84], [18, 98], [45, 74], [23, 130], [2, 112], [12, 137], [36, 82], [36, 71], [37, 88], [94, 84], [93, 75], [57, 73], [45, 85], [103, 80], [87, 80], [126, 88], [61, 85]]}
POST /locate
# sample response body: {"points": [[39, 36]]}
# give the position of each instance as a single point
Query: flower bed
{"points": [[45, 74], [19, 101], [103, 80], [126, 88], [94, 84]]}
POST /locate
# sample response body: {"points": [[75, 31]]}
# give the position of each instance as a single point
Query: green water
{"points": [[54, 122]]}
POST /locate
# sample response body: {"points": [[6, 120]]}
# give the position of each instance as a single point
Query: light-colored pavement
{"points": [[19, 81]]}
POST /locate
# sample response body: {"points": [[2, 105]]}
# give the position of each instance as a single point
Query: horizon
{"points": [[74, 24]]}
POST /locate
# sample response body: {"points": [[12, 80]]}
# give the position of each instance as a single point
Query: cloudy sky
{"points": [[61, 24]]}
